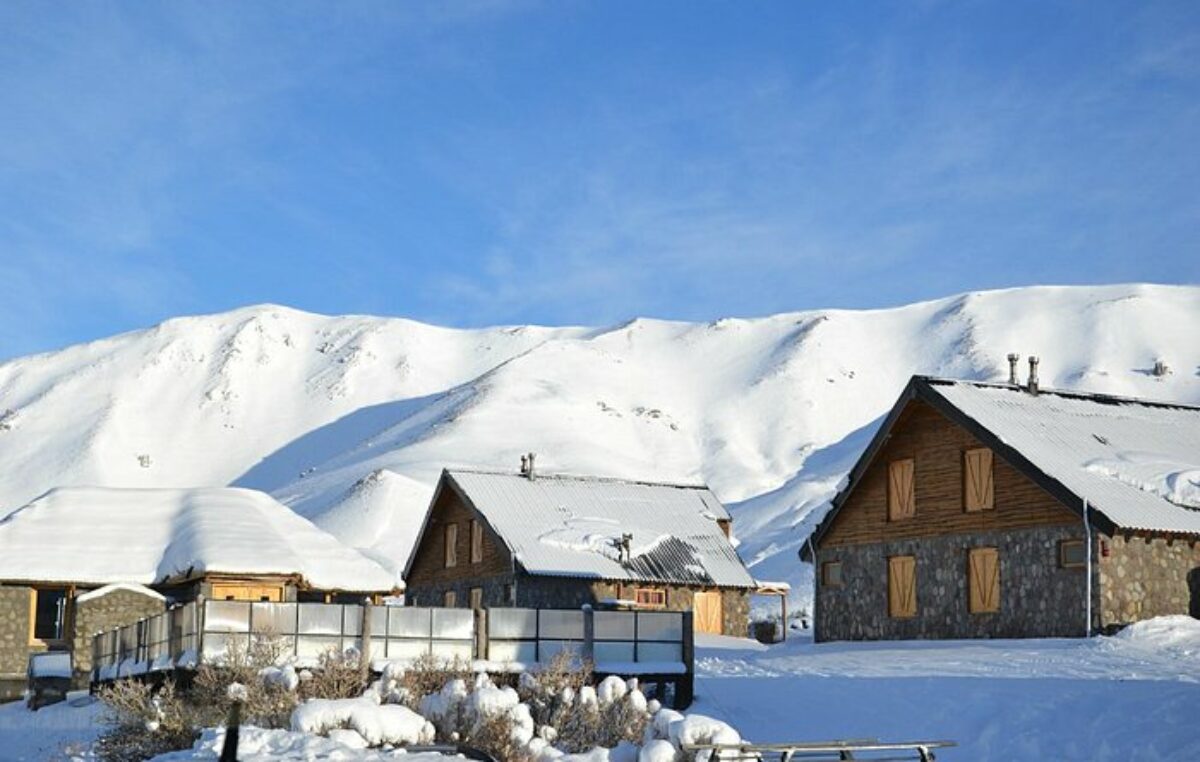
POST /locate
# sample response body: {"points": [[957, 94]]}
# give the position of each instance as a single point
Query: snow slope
{"points": [[350, 419]]}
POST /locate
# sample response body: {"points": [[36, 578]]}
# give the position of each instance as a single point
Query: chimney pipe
{"points": [[529, 472], [1033, 377], [1013, 359], [524, 465]]}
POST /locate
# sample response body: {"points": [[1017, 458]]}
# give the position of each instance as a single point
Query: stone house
{"points": [[78, 561], [494, 539], [987, 510]]}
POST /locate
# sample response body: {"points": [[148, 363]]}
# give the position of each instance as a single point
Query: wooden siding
{"points": [[937, 446], [429, 567]]}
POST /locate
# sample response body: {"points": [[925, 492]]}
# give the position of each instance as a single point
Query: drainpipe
{"points": [[1087, 531]]}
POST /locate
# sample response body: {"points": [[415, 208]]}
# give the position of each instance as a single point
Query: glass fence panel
{"points": [[226, 616], [672, 652], [453, 624], [216, 643], [452, 649], [320, 619], [352, 617], [523, 652], [613, 651], [614, 625], [548, 649], [560, 625], [273, 618], [659, 625], [409, 622], [312, 646], [406, 649], [512, 623]]}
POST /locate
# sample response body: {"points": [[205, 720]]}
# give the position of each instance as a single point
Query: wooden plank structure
{"points": [[865, 749]]}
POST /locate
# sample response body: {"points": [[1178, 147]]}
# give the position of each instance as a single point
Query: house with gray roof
{"points": [[495, 539], [1009, 510]]}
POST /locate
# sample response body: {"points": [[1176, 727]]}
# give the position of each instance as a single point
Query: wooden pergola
{"points": [[780, 589]]}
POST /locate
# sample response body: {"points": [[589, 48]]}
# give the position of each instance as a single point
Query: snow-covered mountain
{"points": [[350, 419]]}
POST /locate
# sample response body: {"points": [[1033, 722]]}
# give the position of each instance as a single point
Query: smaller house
{"points": [[494, 539], [81, 560], [993, 510]]}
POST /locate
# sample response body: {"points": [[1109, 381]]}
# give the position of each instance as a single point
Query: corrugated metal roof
{"points": [[572, 526], [1125, 456]]}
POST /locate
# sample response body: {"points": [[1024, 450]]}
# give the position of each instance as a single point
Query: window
{"points": [[653, 597], [477, 597], [831, 574], [49, 614], [902, 586], [476, 542], [1072, 554], [983, 574], [451, 545], [450, 599], [902, 501], [979, 492]]}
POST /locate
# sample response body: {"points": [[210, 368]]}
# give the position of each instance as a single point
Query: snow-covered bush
{"points": [[143, 722]]}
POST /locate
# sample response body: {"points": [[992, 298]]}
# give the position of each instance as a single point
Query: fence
{"points": [[654, 645]]}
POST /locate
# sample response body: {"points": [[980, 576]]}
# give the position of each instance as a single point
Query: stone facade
{"points": [[120, 606], [1038, 598], [14, 640], [1143, 577]]}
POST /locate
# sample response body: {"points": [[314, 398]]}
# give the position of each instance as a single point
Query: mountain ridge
{"points": [[349, 419]]}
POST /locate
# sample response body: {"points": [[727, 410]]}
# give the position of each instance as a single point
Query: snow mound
{"points": [[377, 723], [1156, 473], [1175, 635]]}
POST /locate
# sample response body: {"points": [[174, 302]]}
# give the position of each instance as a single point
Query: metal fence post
{"points": [[481, 633], [686, 690]]}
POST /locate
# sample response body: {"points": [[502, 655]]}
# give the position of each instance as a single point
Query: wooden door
{"points": [[707, 613]]}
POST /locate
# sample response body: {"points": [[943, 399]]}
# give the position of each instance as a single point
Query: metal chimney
{"points": [[529, 472], [1033, 377], [524, 465], [1013, 359]]}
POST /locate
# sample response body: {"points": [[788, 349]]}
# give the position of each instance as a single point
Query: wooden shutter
{"points": [[449, 599], [984, 580], [451, 545], [902, 503], [476, 542], [979, 493], [476, 597], [902, 586]]}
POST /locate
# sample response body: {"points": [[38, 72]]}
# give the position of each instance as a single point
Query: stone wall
{"points": [[1037, 597], [14, 640], [1143, 577], [119, 607]]}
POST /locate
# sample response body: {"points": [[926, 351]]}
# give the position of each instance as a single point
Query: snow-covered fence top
{"points": [[495, 640]]}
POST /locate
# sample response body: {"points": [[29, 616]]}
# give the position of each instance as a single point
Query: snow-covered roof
{"points": [[100, 536], [572, 526], [1136, 461]]}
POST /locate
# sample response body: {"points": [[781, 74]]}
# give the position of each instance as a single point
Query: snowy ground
{"points": [[1129, 697]]}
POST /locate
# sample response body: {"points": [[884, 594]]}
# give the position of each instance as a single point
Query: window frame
{"points": [[450, 545], [656, 597], [1062, 556], [62, 614], [826, 566]]}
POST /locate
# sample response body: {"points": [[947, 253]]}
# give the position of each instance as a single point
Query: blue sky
{"points": [[500, 162]]}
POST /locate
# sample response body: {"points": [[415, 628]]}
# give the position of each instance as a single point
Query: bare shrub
{"points": [[144, 722], [428, 673], [265, 705], [339, 674], [494, 734]]}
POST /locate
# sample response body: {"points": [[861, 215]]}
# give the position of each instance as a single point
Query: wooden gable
{"points": [[932, 477], [477, 552]]}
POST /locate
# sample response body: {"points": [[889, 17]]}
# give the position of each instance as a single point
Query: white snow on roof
{"points": [[1133, 460], [114, 587], [573, 526], [97, 535]]}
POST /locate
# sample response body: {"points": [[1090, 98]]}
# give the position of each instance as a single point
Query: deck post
{"points": [[365, 640], [481, 633], [685, 690], [589, 634]]}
